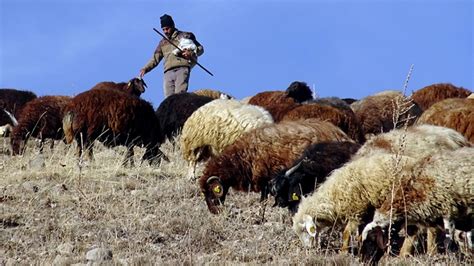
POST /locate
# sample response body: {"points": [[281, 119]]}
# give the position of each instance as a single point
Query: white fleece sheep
{"points": [[216, 125], [185, 43], [440, 187], [373, 163], [416, 141], [347, 194]]}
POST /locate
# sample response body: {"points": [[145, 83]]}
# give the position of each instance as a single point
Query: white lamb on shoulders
{"points": [[185, 43]]}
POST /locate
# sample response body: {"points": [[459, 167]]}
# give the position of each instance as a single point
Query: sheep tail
{"points": [[67, 127]]}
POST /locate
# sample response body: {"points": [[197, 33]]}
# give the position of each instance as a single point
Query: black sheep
{"points": [[176, 109], [312, 168]]}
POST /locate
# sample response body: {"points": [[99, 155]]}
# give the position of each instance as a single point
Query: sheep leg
{"points": [[78, 150], [449, 228], [432, 233], [407, 247], [129, 157], [90, 150], [351, 227], [40, 145], [191, 170], [51, 146], [408, 243]]}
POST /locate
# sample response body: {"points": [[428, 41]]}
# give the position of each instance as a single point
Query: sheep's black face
{"points": [[279, 190], [137, 86], [373, 247], [287, 187]]}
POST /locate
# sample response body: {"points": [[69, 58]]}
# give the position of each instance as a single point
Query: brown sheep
{"points": [[114, 118], [259, 155], [429, 95], [376, 113], [13, 101], [136, 86], [344, 119], [40, 118], [455, 113], [277, 103]]}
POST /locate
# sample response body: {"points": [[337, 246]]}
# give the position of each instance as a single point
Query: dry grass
{"points": [[53, 211]]}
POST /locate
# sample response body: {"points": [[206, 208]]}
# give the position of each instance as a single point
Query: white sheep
{"points": [[374, 163], [185, 43], [440, 187], [216, 125], [347, 193], [416, 141]]}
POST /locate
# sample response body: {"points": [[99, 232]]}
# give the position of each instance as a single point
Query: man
{"points": [[177, 66]]}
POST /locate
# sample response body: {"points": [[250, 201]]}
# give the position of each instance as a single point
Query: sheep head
{"points": [[214, 193], [136, 86], [287, 193], [374, 244], [306, 230]]}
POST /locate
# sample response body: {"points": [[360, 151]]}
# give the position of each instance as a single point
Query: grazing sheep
{"points": [[331, 101], [348, 194], [455, 113], [216, 125], [214, 94], [176, 109], [257, 156], [378, 113], [349, 100], [13, 101], [136, 86], [277, 103], [40, 118], [429, 95], [309, 171], [344, 119], [441, 187], [411, 146], [299, 91], [114, 118], [417, 141]]}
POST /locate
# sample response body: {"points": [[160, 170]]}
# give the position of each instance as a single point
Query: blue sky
{"points": [[341, 48]]}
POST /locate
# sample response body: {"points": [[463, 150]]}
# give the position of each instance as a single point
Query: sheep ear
{"points": [[129, 84]]}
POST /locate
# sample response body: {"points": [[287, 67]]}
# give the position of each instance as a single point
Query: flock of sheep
{"points": [[378, 168]]}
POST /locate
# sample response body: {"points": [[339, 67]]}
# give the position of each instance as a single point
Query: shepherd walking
{"points": [[178, 62]]}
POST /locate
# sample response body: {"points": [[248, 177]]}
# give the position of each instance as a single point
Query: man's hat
{"points": [[166, 21]]}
